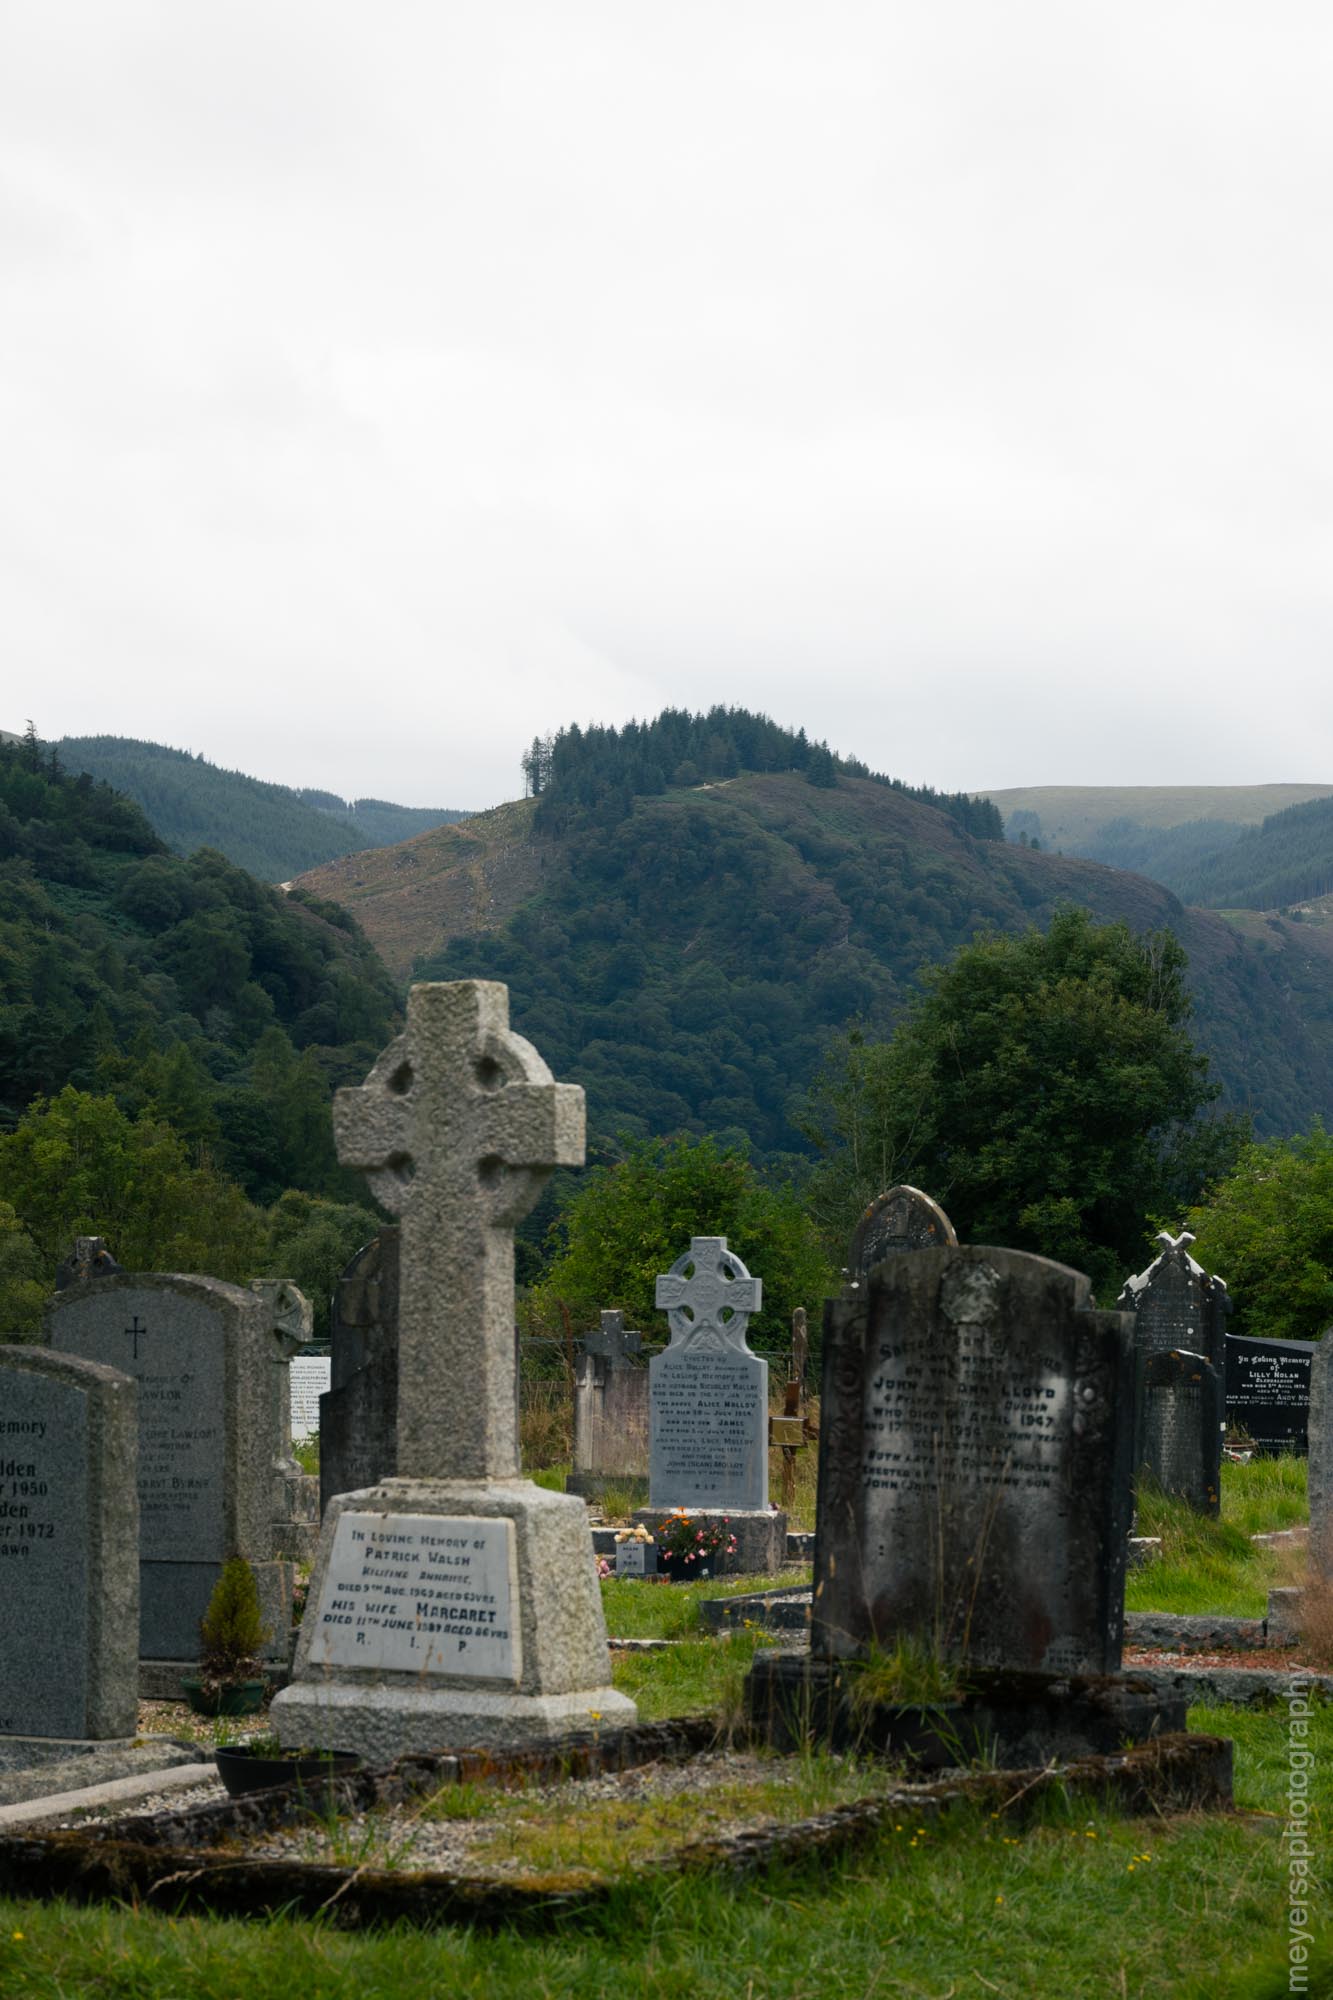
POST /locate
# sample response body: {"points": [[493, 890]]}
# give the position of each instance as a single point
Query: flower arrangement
{"points": [[685, 1536]]}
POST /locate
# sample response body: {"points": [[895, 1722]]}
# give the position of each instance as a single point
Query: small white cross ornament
{"points": [[457, 1127], [710, 1307]]}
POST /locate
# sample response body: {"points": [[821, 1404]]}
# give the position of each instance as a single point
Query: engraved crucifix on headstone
{"points": [[457, 1127], [134, 1331]]}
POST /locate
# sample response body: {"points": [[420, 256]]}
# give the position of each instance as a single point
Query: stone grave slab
{"points": [[215, 1466], [903, 1219], [610, 1412], [457, 1127], [1268, 1391], [69, 1549], [358, 1413], [974, 1464], [1181, 1427]]}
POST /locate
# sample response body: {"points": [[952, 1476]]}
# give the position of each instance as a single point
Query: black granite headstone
{"points": [[1268, 1391], [1181, 1423], [358, 1412], [974, 1464]]}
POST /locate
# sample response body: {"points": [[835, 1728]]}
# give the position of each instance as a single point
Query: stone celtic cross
{"points": [[708, 1296], [456, 1128]]}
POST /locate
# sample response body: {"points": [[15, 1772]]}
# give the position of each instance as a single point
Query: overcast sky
{"points": [[380, 386]]}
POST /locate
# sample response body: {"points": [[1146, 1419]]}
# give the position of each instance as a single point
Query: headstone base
{"points": [[30, 1753], [761, 1536], [1024, 1719], [545, 1608]]}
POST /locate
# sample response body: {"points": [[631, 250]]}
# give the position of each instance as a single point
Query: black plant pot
{"points": [[244, 1770]]}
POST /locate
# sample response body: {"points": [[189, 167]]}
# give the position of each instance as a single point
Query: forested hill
{"points": [[231, 1009], [272, 831], [1289, 859], [687, 953]]}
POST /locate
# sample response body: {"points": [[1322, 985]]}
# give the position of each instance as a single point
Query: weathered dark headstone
{"points": [[1177, 1304], [214, 1457], [358, 1413], [69, 1548], [1268, 1391], [1320, 1467], [1181, 1424], [610, 1412], [903, 1219], [974, 1464]]}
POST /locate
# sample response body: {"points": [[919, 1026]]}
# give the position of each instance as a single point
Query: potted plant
{"points": [[231, 1632], [263, 1762], [688, 1546]]}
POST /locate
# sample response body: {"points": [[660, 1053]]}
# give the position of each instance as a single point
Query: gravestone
{"points": [[215, 1466], [903, 1219], [708, 1406], [311, 1374], [69, 1548], [610, 1412], [1176, 1304], [358, 1413], [291, 1322], [1181, 1424], [974, 1465], [90, 1259], [1321, 1458], [1268, 1391], [456, 1603]]}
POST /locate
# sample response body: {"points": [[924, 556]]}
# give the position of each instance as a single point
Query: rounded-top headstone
{"points": [[903, 1219]]}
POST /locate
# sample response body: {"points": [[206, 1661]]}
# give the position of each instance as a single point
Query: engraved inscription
{"points": [[420, 1593], [997, 1421]]}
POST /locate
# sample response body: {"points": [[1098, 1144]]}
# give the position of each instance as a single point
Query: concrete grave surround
{"points": [[1180, 1427], [1321, 1458], [610, 1412], [216, 1476], [903, 1219], [708, 1405], [69, 1548], [457, 1127], [1177, 1304], [358, 1413], [1268, 1391], [974, 1464]]}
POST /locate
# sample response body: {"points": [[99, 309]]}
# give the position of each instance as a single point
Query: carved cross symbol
{"points": [[708, 1296], [1170, 1242], [456, 1128], [134, 1331]]}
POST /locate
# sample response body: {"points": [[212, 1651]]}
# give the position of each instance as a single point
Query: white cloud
{"points": [[376, 389]]}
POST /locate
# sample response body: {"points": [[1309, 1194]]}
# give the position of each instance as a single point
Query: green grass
{"points": [[1212, 1565], [1080, 1904], [639, 1609], [696, 1675]]}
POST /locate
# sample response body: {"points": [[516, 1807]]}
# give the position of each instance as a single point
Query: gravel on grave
{"points": [[403, 1839]]}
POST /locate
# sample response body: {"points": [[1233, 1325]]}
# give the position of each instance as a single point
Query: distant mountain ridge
{"points": [[273, 831], [688, 959]]}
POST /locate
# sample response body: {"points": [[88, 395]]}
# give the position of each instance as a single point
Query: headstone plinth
{"points": [[456, 1603], [69, 1549]]}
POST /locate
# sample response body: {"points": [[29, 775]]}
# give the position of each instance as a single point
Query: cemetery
{"points": [[1002, 1595]]}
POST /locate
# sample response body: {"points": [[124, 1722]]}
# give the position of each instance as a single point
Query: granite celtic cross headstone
{"points": [[456, 1602], [708, 1403]]}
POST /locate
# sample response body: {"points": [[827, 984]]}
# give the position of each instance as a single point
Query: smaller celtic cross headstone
{"points": [[613, 1341], [708, 1394], [457, 1128]]}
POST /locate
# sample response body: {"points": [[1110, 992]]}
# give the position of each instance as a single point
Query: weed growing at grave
{"points": [[619, 1502], [306, 1453], [1212, 1565], [698, 1676], [908, 1674]]}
